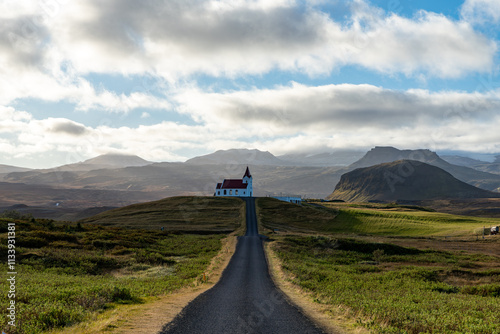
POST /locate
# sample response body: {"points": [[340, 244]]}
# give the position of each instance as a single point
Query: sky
{"points": [[172, 79]]}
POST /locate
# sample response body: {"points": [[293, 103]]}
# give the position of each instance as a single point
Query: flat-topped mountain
{"points": [[383, 154], [403, 180], [379, 155]]}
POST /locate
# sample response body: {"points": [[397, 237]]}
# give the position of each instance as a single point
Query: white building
{"points": [[236, 187], [290, 199]]}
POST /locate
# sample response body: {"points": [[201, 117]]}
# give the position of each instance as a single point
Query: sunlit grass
{"points": [[67, 274], [392, 289], [388, 221]]}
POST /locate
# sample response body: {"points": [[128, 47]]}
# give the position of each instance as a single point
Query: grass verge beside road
{"points": [[432, 286], [393, 289], [69, 274]]}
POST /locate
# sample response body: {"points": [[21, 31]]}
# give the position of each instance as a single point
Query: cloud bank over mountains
{"points": [[52, 52]]}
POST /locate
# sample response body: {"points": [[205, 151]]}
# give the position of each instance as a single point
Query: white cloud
{"points": [[284, 119], [175, 39], [344, 116], [334, 107], [47, 50], [33, 66], [481, 11], [429, 43]]}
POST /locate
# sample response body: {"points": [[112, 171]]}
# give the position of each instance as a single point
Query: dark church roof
{"points": [[234, 183]]}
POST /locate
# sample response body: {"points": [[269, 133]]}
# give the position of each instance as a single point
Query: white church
{"points": [[236, 187]]}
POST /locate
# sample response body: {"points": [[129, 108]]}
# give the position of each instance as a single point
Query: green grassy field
{"points": [[387, 220], [393, 289], [68, 273], [384, 287]]}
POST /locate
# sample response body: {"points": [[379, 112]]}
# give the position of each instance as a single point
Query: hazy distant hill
{"points": [[483, 166], [379, 155], [462, 161], [71, 175], [4, 169], [46, 196], [493, 168], [105, 161], [326, 159], [237, 157], [403, 180]]}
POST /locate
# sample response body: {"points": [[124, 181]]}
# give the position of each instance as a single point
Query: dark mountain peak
{"points": [[403, 180]]}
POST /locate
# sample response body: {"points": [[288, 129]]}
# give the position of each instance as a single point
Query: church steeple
{"points": [[247, 173]]}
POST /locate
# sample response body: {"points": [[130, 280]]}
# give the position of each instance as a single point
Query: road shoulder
{"points": [[320, 314], [151, 316]]}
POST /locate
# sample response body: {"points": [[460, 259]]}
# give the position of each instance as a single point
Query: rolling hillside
{"points": [[182, 214], [403, 180]]}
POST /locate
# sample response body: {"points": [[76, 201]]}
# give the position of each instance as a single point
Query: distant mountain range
{"points": [[403, 180], [115, 179], [256, 157]]}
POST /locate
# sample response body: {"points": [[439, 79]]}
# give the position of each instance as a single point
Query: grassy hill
{"points": [[366, 219], [403, 180], [183, 214], [380, 155]]}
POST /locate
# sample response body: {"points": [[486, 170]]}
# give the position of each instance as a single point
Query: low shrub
{"points": [[486, 290]]}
